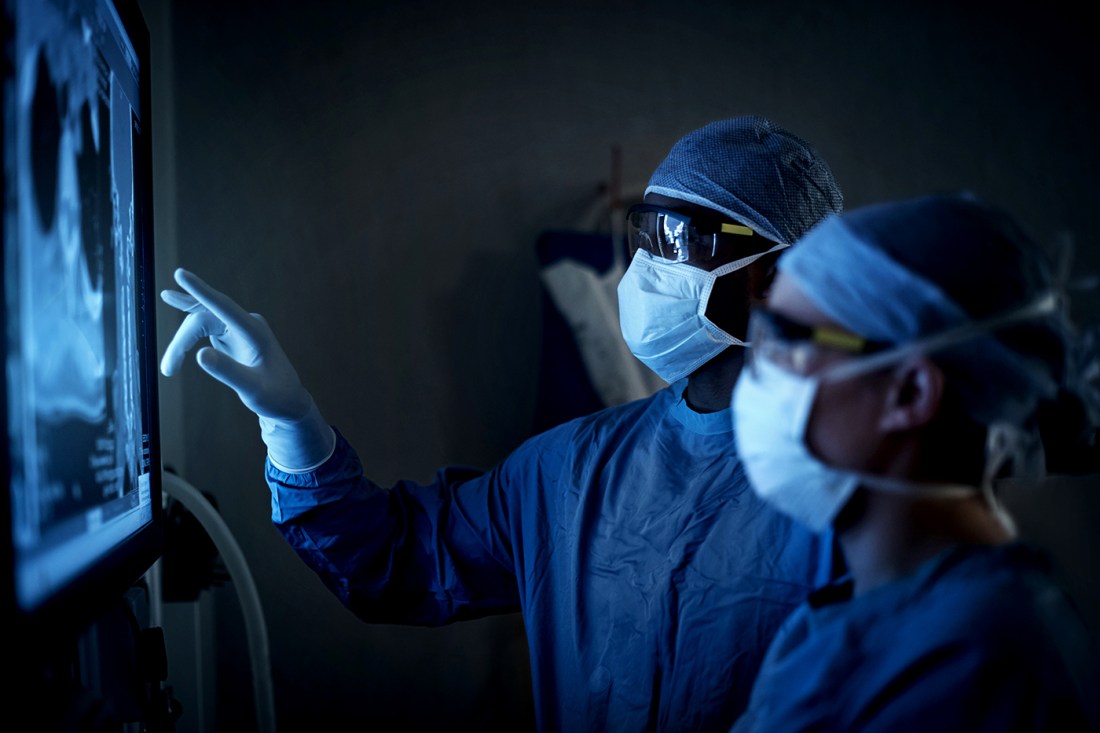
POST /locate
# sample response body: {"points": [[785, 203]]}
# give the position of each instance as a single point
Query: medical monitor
{"points": [[81, 457]]}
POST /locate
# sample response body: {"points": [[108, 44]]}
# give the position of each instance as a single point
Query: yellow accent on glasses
{"points": [[728, 228]]}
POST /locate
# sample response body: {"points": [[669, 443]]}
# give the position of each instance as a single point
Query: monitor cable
{"points": [[255, 625]]}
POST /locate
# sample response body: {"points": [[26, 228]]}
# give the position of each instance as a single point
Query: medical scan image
{"points": [[78, 437]]}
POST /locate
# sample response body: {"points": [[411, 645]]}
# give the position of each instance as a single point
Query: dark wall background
{"points": [[372, 177]]}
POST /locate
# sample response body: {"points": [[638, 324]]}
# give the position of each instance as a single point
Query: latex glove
{"points": [[245, 355]]}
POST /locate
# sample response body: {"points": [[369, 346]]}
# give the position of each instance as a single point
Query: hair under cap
{"points": [[753, 171]]}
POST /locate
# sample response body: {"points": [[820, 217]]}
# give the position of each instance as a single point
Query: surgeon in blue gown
{"points": [[649, 576], [907, 350]]}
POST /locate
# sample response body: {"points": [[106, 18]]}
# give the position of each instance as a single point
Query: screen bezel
{"points": [[77, 604]]}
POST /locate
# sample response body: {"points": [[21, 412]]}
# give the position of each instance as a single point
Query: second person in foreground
{"points": [[906, 350]]}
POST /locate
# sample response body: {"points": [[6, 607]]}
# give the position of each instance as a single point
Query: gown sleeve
{"points": [[421, 554]]}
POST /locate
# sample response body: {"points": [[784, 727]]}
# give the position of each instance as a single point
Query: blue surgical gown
{"points": [[978, 639], [649, 575]]}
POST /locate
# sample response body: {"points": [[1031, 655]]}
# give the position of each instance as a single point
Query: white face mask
{"points": [[661, 313], [771, 409]]}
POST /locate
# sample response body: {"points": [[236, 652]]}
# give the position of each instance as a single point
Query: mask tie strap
{"points": [[745, 261]]}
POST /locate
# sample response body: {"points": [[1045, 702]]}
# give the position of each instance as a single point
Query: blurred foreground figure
{"points": [[906, 353]]}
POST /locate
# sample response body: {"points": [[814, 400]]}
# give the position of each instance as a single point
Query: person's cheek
{"points": [[730, 300]]}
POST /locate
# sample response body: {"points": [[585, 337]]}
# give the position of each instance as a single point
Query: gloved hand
{"points": [[245, 355]]}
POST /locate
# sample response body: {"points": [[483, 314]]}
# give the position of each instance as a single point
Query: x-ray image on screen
{"points": [[78, 428]]}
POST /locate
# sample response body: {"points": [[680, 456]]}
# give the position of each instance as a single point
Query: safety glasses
{"points": [[807, 350], [679, 237], [803, 349]]}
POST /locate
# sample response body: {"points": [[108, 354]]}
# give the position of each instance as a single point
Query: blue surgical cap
{"points": [[900, 271], [754, 171]]}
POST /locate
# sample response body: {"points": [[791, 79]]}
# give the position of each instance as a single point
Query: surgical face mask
{"points": [[771, 410], [661, 312]]}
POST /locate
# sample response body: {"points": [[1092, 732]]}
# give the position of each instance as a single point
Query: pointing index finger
{"points": [[222, 306], [180, 301]]}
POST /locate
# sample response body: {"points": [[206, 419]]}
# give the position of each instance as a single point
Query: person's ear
{"points": [[915, 394]]}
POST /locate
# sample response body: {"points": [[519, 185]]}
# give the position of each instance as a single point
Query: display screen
{"points": [[83, 461]]}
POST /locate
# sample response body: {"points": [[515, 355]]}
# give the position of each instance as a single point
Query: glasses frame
{"points": [[693, 248], [800, 341]]}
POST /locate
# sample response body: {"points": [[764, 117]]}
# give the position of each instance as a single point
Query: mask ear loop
{"points": [[725, 270], [745, 261]]}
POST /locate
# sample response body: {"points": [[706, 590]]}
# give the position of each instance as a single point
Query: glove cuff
{"points": [[298, 446]]}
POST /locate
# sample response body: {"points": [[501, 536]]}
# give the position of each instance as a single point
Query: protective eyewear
{"points": [[800, 348], [806, 349], [679, 237]]}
